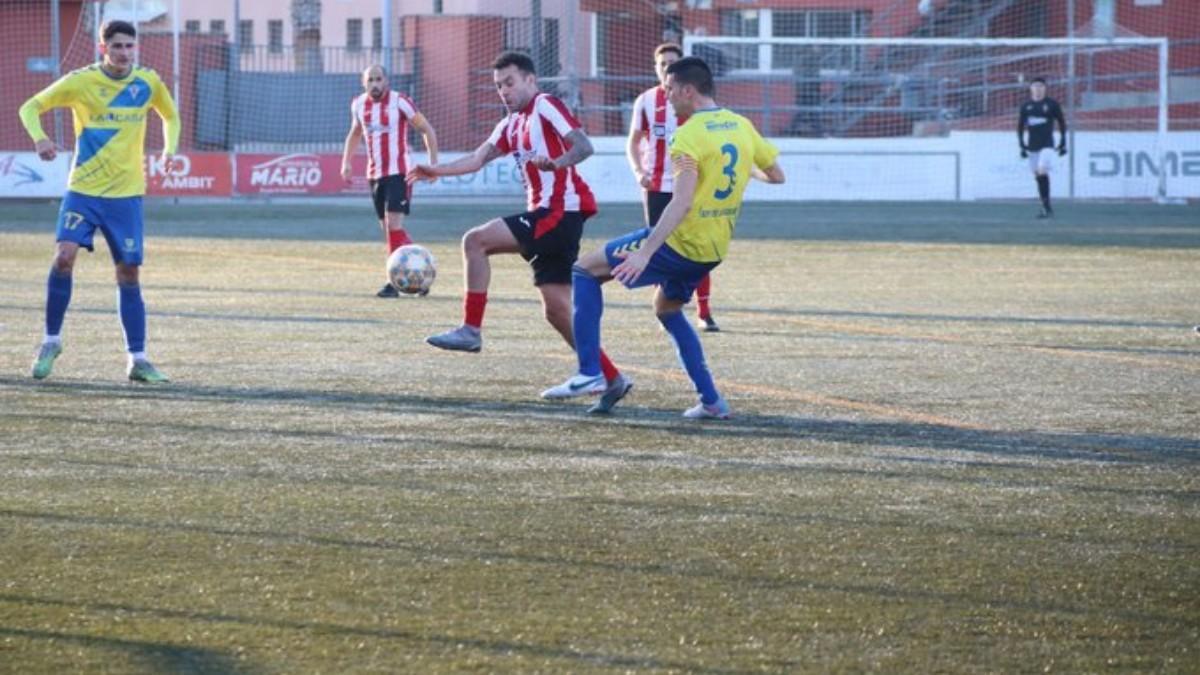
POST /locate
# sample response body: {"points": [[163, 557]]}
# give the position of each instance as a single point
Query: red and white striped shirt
{"points": [[540, 128], [655, 121], [385, 131]]}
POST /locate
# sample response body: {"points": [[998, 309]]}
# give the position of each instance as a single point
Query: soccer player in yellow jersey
{"points": [[714, 153], [110, 102]]}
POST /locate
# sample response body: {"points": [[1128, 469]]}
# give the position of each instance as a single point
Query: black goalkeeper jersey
{"points": [[1038, 118]]}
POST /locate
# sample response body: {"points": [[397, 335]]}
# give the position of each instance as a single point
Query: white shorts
{"points": [[1042, 161]]}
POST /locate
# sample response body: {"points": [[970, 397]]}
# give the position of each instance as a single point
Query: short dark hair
{"points": [[1036, 80], [111, 28], [668, 47], [694, 71], [521, 61]]}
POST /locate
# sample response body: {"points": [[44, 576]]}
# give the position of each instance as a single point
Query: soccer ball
{"points": [[411, 269]]}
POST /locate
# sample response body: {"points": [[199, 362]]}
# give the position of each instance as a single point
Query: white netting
{"points": [[258, 79]]}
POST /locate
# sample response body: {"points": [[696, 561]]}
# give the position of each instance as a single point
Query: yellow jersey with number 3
{"points": [[110, 126], [723, 145]]}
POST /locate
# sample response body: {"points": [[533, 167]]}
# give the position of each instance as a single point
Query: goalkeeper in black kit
{"points": [[1038, 115]]}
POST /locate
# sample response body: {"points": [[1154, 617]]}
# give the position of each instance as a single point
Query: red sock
{"points": [[702, 290], [473, 306], [610, 370], [397, 238]]}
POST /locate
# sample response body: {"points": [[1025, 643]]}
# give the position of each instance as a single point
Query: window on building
{"points": [[191, 26], [275, 35], [437, 7], [245, 34], [738, 23], [217, 26], [789, 23], [354, 34], [376, 34]]}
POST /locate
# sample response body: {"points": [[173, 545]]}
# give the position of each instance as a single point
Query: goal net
{"points": [[905, 111]]}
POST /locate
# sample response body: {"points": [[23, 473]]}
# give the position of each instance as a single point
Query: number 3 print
{"points": [[731, 150]]}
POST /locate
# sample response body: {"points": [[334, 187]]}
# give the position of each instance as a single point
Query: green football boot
{"points": [[43, 363], [143, 371]]}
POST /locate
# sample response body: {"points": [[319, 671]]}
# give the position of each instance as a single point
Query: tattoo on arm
{"points": [[492, 153], [581, 149]]}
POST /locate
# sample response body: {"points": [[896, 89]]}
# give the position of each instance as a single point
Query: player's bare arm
{"points": [[634, 155], [422, 125], [353, 137], [686, 178], [468, 164], [772, 174], [579, 150]]}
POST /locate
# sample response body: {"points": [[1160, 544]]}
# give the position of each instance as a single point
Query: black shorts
{"points": [[655, 203], [549, 242], [390, 195]]}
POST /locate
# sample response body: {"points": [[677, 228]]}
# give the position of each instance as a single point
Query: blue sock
{"points": [[691, 355], [588, 302], [133, 316], [58, 296]]}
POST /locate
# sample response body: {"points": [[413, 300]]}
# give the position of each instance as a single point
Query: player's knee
{"points": [[473, 242], [578, 270], [63, 263], [127, 275]]}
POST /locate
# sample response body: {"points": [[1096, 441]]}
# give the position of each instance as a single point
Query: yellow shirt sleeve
{"points": [[764, 152], [57, 95], [164, 105]]}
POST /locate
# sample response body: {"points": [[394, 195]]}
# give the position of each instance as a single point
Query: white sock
{"points": [[52, 340], [136, 356]]}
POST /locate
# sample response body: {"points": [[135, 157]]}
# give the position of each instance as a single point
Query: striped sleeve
{"points": [[406, 106], [499, 137], [556, 113], [638, 121]]}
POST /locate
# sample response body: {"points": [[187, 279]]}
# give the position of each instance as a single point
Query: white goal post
{"points": [[750, 59]]}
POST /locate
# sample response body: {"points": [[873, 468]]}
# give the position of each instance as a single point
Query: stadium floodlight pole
{"points": [[56, 61], [1164, 101], [1071, 99], [385, 11], [137, 15], [175, 51], [234, 63]]}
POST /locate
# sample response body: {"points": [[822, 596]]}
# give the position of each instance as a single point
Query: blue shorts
{"points": [[677, 275], [118, 218]]}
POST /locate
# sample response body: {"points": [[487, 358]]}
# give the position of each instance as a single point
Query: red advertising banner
{"points": [[195, 174], [298, 174]]}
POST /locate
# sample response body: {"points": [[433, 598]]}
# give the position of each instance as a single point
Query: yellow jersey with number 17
{"points": [[723, 145], [110, 126]]}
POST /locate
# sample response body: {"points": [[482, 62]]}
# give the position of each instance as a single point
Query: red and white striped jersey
{"points": [[540, 128], [385, 131], [655, 121]]}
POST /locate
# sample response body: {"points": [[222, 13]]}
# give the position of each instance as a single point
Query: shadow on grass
{"points": [[614, 302], [679, 569], [493, 647], [1132, 449], [158, 657]]}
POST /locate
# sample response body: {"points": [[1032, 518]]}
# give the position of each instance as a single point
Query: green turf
{"points": [[966, 441]]}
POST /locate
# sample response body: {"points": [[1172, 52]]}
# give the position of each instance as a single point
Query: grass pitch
{"points": [[966, 441]]}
